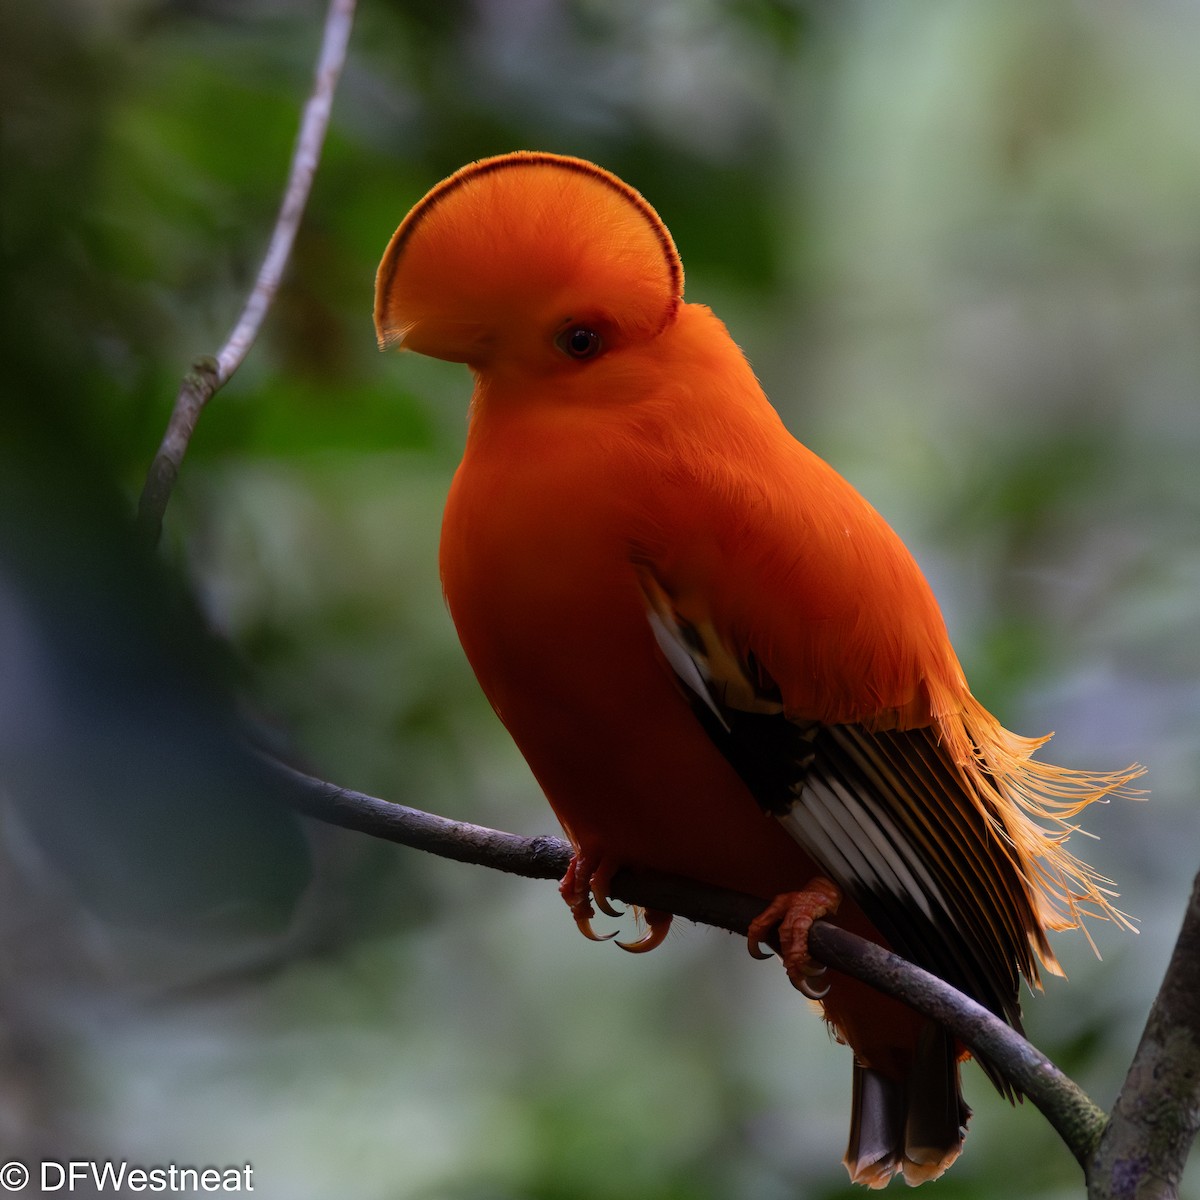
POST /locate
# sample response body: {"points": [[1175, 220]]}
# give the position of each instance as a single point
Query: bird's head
{"points": [[527, 258]]}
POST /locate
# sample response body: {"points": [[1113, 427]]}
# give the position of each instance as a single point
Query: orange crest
{"points": [[517, 244]]}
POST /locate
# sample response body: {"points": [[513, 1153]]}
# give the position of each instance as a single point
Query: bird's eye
{"points": [[578, 342]]}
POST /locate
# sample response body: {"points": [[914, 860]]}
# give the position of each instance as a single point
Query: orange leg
{"points": [[588, 879], [791, 915]]}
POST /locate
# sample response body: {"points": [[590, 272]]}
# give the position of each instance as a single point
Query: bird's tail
{"points": [[915, 1126]]}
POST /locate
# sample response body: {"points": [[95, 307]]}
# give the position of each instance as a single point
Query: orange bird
{"points": [[717, 658]]}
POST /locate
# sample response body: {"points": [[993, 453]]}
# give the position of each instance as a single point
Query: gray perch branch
{"points": [[1077, 1120]]}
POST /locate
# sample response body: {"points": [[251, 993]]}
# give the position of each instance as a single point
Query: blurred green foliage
{"points": [[959, 243]]}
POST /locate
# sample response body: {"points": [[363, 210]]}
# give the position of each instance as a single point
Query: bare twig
{"points": [[1078, 1121], [210, 374], [1157, 1115]]}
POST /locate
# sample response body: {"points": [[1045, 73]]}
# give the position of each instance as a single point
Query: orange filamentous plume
{"points": [[716, 656], [1032, 805]]}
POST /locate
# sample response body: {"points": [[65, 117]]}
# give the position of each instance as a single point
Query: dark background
{"points": [[959, 243]]}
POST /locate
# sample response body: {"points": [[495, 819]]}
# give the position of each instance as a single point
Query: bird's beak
{"points": [[453, 341]]}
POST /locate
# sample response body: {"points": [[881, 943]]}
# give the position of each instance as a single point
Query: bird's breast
{"points": [[536, 566]]}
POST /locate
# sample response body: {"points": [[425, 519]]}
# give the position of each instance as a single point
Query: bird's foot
{"points": [[790, 916], [587, 880], [658, 924]]}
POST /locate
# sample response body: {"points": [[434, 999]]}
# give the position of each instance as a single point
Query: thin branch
{"points": [[1157, 1115], [210, 374], [1077, 1120]]}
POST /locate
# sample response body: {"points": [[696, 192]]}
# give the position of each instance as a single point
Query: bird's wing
{"points": [[888, 814]]}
